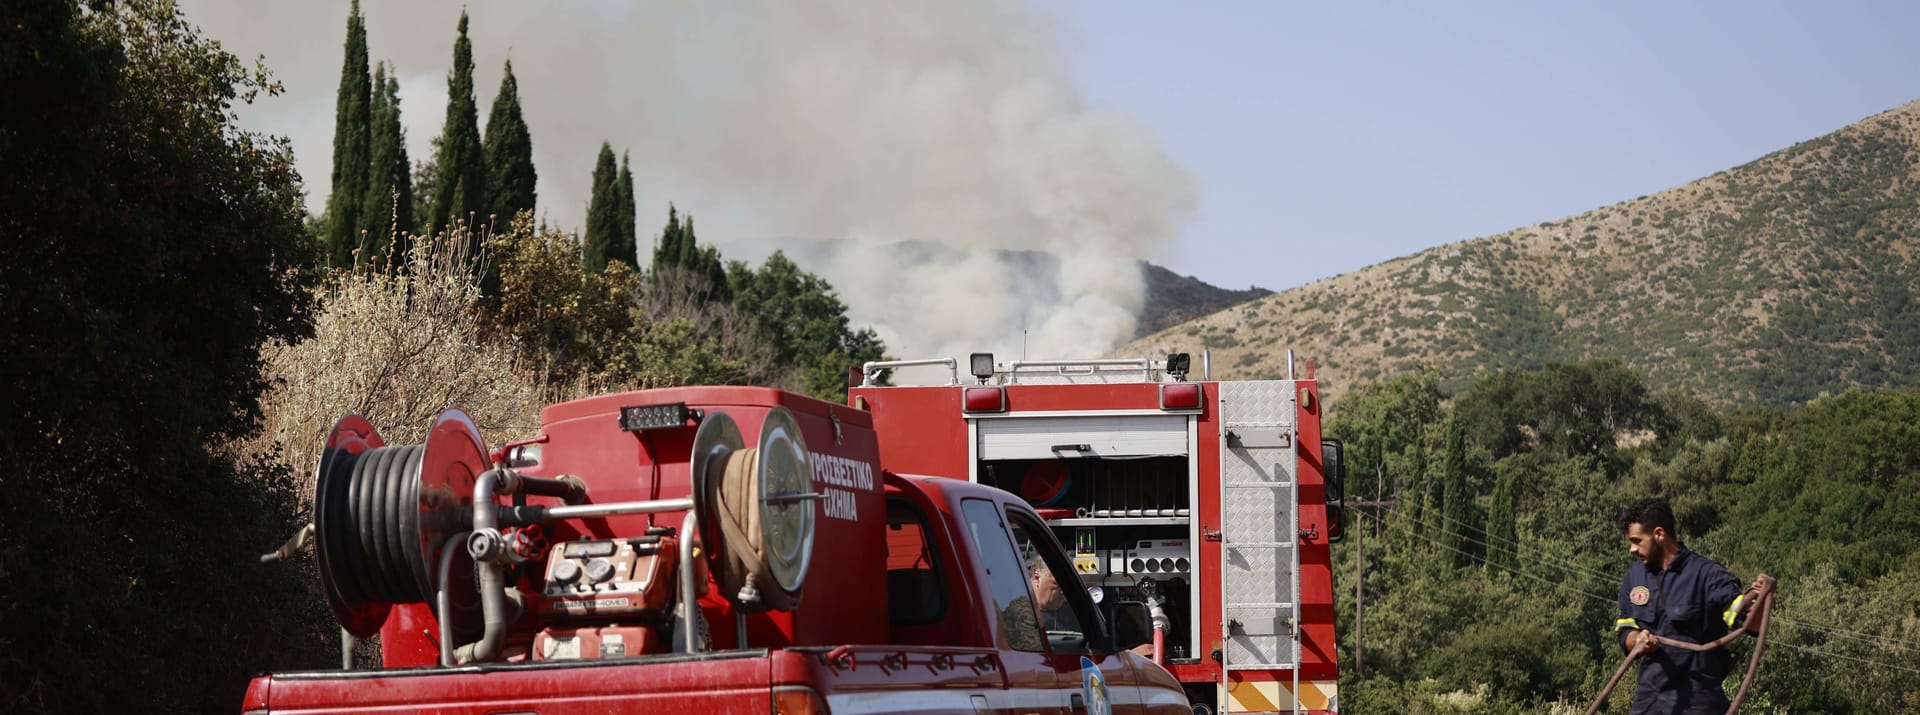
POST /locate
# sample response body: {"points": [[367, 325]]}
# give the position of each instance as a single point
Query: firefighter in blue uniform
{"points": [[1675, 594]]}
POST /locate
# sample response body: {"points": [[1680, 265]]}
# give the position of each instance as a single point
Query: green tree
{"points": [[1503, 534], [1456, 499], [807, 321], [509, 152], [667, 250], [603, 215], [629, 218], [1388, 427], [426, 187], [387, 208], [460, 179], [683, 267], [352, 127], [570, 320], [165, 245]]}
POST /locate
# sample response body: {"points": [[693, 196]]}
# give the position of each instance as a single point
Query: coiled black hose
{"points": [[370, 522]]}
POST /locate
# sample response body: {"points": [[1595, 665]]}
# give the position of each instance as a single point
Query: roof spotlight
{"points": [[1178, 364], [982, 366]]}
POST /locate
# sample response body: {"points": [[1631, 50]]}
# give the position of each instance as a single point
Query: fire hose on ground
{"points": [[1760, 612]]}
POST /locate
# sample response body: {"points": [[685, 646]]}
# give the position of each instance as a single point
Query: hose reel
{"points": [[382, 515], [756, 509]]}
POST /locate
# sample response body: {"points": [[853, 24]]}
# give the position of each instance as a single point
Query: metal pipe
{"points": [[588, 511], [568, 488], [347, 642], [689, 607], [483, 489], [493, 605], [493, 608], [868, 369], [443, 601]]}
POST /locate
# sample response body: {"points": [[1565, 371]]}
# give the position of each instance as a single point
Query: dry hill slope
{"points": [[1770, 282]]}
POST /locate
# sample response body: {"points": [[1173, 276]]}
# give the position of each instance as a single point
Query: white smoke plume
{"points": [[833, 129]]}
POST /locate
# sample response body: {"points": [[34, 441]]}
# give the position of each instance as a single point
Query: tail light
{"points": [[798, 700]]}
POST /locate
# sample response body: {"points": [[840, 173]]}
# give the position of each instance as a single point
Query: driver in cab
{"points": [[1027, 618]]}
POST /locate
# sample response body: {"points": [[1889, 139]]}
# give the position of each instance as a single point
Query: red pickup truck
{"points": [[553, 575]]}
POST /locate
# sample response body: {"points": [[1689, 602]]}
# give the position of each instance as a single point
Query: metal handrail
{"points": [[1146, 366], [867, 370]]}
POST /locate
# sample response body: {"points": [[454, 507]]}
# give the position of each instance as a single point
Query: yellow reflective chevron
{"points": [[1626, 623], [1733, 611], [1260, 695]]}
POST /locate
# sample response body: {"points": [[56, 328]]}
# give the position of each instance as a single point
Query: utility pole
{"points": [[1359, 601], [1360, 572]]}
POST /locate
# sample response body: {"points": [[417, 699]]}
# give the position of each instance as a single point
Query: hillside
{"points": [[1173, 299], [1767, 283]]}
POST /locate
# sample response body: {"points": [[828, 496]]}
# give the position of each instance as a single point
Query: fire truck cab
{"points": [[1199, 511]]}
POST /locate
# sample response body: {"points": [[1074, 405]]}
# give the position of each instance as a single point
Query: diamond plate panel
{"points": [[1257, 402], [1259, 640], [1256, 465], [1262, 405], [1258, 570], [1257, 515]]}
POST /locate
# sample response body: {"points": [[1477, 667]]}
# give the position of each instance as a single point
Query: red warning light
{"points": [[985, 399], [1180, 396]]}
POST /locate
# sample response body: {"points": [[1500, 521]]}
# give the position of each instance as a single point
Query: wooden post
{"points": [[1359, 601]]}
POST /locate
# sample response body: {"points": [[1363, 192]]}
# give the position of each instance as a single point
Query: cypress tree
{"points": [[509, 152], [462, 171], [666, 252], [1455, 501], [603, 213], [704, 261], [1502, 531], [679, 252], [352, 120], [629, 228], [388, 204]]}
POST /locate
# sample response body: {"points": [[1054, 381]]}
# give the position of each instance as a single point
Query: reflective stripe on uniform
{"points": [[1626, 623], [1733, 611]]}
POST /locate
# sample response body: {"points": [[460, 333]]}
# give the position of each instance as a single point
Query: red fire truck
{"points": [[696, 549], [1197, 511]]}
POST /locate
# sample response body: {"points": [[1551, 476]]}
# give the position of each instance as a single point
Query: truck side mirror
{"points": [[1333, 466]]}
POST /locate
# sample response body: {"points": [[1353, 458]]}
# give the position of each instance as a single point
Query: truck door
{"points": [[1032, 685], [1090, 677]]}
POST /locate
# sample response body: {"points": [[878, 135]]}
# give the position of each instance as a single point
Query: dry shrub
{"points": [[617, 329], [396, 344]]}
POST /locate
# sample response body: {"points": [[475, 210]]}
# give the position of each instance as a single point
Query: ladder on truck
{"points": [[1259, 515]]}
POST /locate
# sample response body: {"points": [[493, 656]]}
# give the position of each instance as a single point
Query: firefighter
{"points": [[1675, 594], [1046, 610], [1023, 620]]}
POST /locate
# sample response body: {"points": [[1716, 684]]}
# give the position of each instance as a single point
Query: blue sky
{"points": [[1330, 136]]}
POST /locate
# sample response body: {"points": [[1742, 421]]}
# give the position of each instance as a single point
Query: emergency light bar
{"points": [[646, 418]]}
